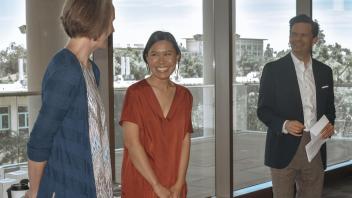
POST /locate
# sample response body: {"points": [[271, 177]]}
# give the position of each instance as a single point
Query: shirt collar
{"points": [[300, 64]]}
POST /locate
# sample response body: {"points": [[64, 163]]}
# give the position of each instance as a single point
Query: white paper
{"points": [[318, 126], [313, 147]]}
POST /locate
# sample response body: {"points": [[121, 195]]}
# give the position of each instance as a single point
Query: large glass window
{"points": [[135, 21], [13, 78], [6, 145], [23, 127], [334, 49], [262, 33], [14, 129], [12, 46]]}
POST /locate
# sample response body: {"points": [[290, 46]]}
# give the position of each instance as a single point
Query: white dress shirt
{"points": [[307, 90]]}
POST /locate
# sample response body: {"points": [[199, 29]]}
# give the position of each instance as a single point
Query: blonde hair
{"points": [[87, 18]]}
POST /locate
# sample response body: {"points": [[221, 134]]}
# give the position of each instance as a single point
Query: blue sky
{"points": [[137, 19]]}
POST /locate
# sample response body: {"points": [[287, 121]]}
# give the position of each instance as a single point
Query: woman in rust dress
{"points": [[156, 122]]}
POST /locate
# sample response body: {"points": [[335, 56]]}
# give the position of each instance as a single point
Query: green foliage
{"points": [[191, 66], [253, 122], [337, 57], [268, 53], [9, 59], [248, 63], [13, 146], [138, 67]]}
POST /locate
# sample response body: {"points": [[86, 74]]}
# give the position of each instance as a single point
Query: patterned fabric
{"points": [[98, 136], [60, 133]]}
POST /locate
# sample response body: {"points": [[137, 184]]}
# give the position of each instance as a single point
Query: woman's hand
{"points": [[30, 194], [161, 191], [176, 191]]}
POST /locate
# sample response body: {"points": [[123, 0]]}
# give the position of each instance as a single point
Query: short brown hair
{"points": [[302, 18], [86, 18]]}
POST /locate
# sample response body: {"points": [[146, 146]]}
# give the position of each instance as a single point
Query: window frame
{"points": [[26, 117], [8, 115]]}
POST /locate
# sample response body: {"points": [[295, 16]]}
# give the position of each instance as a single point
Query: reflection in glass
{"points": [[13, 139], [334, 49], [261, 36]]}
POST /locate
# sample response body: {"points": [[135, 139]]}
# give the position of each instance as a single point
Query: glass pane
{"points": [[334, 49], [22, 109], [32, 104], [129, 67], [4, 110], [21, 120], [13, 142], [262, 33], [5, 121], [23, 135], [13, 78], [27, 119], [12, 46], [8, 148]]}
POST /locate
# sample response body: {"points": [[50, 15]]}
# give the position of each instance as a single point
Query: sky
{"points": [[137, 19], [12, 15]]}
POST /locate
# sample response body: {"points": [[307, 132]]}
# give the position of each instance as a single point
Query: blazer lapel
{"points": [[292, 75], [317, 80]]}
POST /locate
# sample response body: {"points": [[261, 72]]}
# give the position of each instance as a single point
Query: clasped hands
{"points": [[163, 192], [296, 128]]}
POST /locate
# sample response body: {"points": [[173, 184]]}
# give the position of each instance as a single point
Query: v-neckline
{"points": [[157, 103]]}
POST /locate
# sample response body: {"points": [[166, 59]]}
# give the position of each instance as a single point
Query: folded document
{"points": [[313, 147]]}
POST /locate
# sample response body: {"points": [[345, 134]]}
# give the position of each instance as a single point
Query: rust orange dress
{"points": [[160, 136]]}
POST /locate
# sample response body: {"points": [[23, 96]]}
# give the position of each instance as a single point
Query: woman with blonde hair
{"points": [[68, 149]]}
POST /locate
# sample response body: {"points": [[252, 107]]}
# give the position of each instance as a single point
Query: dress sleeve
{"points": [[130, 110], [189, 127], [57, 94]]}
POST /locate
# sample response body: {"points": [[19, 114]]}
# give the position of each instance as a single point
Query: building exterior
{"points": [[195, 45], [251, 46]]}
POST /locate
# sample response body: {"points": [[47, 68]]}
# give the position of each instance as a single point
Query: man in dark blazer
{"points": [[296, 91]]}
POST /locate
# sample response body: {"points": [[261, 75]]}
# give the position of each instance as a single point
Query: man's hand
{"points": [[294, 127], [327, 131]]}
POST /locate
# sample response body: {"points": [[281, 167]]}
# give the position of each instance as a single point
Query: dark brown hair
{"points": [[86, 18], [160, 36], [302, 18]]}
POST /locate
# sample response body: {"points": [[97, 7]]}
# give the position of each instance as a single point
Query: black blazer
{"points": [[280, 100]]}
